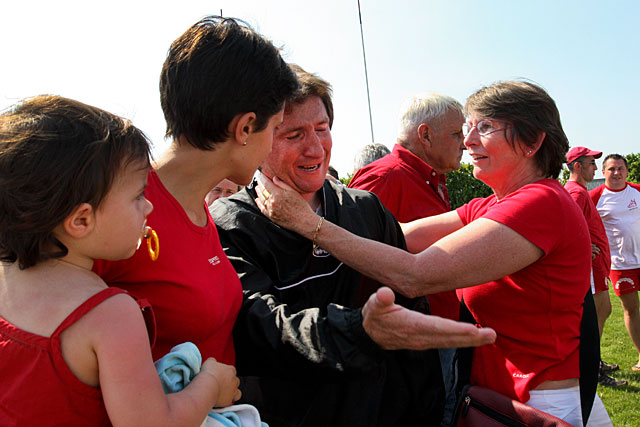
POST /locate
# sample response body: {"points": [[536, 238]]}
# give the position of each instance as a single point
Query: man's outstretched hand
{"points": [[394, 327]]}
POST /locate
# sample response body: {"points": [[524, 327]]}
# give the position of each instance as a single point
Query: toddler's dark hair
{"points": [[55, 154]]}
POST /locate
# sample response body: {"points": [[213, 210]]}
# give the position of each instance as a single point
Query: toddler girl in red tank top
{"points": [[72, 350]]}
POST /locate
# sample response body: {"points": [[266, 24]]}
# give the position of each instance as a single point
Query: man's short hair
{"points": [[370, 153], [572, 164], [311, 85], [615, 156], [424, 108], [219, 68]]}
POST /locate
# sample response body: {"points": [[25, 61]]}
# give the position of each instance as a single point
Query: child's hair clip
{"points": [[153, 243]]}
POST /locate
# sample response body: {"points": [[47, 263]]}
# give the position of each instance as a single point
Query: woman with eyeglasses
{"points": [[520, 258]]}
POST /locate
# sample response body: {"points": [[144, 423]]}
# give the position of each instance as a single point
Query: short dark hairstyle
{"points": [[531, 110], [572, 165], [615, 156], [55, 154], [219, 68], [333, 172], [312, 85]]}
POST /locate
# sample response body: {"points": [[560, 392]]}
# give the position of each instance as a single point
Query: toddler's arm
{"points": [[130, 385]]}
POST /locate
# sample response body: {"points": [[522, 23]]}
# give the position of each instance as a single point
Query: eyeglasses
{"points": [[485, 127]]}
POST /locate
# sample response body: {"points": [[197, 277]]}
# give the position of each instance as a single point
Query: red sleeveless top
{"points": [[36, 385]]}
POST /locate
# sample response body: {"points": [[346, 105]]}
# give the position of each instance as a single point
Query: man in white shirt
{"points": [[618, 203]]}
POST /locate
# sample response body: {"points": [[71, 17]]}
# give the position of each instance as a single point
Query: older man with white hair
{"points": [[410, 182]]}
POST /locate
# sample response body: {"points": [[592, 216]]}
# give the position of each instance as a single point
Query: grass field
{"points": [[622, 403]]}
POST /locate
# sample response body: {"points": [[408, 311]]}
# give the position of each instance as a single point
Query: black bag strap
{"points": [[589, 355], [464, 355]]}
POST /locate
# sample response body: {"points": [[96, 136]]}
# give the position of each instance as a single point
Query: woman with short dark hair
{"points": [[223, 88]]}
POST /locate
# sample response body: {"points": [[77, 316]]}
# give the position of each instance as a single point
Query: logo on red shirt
{"points": [[214, 261], [520, 375]]}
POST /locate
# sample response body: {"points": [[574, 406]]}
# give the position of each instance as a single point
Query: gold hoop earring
{"points": [[153, 243]]}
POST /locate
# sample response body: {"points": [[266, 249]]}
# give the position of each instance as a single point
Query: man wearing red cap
{"points": [[618, 203], [581, 163]]}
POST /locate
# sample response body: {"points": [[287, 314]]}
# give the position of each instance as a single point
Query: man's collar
{"points": [[577, 182], [322, 208], [427, 172], [616, 189]]}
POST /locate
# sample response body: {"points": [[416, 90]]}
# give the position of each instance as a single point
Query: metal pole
{"points": [[366, 76]]}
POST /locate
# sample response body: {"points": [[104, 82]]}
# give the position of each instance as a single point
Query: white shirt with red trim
{"points": [[620, 213]]}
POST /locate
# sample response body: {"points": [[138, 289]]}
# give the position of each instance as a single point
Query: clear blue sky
{"points": [[585, 53]]}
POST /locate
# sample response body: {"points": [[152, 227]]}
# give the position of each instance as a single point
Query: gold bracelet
{"points": [[315, 235]]}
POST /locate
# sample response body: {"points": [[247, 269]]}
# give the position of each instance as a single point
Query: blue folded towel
{"points": [[176, 370], [178, 367]]}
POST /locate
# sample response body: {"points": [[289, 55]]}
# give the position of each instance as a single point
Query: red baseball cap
{"points": [[576, 152]]}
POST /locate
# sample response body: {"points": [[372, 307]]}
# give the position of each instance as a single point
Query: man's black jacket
{"points": [[301, 350]]}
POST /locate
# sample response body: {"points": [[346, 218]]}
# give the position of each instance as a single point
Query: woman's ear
{"points": [[241, 127], [80, 221], [531, 151]]}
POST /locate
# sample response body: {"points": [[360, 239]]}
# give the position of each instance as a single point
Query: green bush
{"points": [[463, 186], [346, 180], [633, 160], [564, 176]]}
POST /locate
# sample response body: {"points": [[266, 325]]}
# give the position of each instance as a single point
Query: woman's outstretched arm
{"points": [[482, 251]]}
